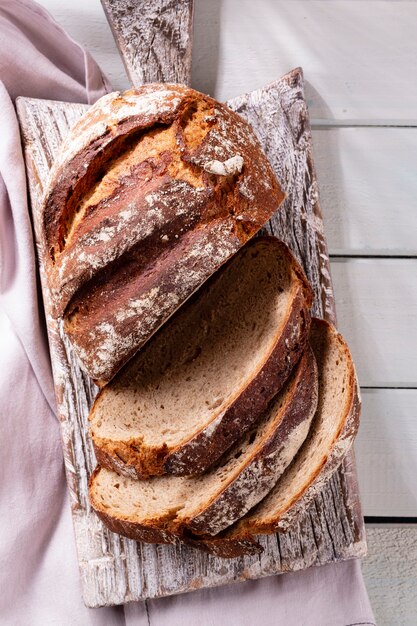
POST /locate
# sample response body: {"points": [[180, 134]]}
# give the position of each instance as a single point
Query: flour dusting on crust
{"points": [[144, 177]]}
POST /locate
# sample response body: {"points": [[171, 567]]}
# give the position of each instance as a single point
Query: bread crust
{"points": [[149, 534], [334, 457], [246, 529], [331, 461], [274, 455], [122, 264], [203, 449]]}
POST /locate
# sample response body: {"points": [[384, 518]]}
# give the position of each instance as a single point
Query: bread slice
{"points": [[160, 509], [330, 438], [209, 373]]}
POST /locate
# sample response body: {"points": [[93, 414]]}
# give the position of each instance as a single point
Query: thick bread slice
{"points": [[148, 534], [332, 433], [152, 191], [164, 508], [202, 381]]}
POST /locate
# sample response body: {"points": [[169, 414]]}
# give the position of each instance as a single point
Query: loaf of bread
{"points": [[153, 190], [209, 373], [217, 421], [168, 507]]}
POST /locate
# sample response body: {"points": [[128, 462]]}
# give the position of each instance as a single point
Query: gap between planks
{"points": [[388, 521], [381, 255], [328, 124], [388, 386]]}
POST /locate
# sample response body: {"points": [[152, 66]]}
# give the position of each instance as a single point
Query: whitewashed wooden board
{"points": [[114, 569], [359, 55], [159, 43]]}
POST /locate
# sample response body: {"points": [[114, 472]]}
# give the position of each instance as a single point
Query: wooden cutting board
{"points": [[115, 569]]}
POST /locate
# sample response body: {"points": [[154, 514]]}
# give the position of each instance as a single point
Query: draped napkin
{"points": [[39, 578]]}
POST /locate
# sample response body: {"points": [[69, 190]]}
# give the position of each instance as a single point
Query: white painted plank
{"points": [[386, 452], [376, 304], [359, 58], [390, 572], [368, 188]]}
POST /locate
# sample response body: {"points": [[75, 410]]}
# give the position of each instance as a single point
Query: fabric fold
{"points": [[39, 575]]}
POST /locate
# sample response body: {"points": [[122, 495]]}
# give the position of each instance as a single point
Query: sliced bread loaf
{"points": [[160, 509], [331, 435], [203, 380]]}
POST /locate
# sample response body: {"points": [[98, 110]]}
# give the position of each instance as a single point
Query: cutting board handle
{"points": [[154, 38]]}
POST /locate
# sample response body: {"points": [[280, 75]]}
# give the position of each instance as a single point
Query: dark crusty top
{"points": [[153, 190]]}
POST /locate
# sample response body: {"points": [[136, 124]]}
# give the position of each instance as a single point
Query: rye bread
{"points": [[152, 191], [208, 374], [164, 508], [331, 435]]}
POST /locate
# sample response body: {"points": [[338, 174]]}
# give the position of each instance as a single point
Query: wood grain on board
{"points": [[115, 569], [154, 38]]}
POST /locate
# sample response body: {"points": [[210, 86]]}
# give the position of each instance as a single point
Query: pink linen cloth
{"points": [[39, 578]]}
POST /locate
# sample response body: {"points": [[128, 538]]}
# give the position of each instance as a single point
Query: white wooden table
{"points": [[360, 64]]}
